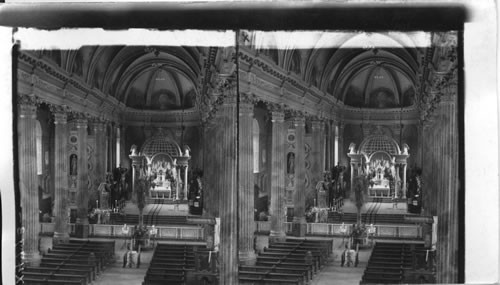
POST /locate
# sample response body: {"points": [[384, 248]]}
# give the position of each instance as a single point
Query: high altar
{"points": [[164, 164], [379, 157]]}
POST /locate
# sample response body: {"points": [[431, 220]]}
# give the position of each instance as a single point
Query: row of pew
{"points": [[388, 262], [169, 264], [288, 262], [77, 262]]}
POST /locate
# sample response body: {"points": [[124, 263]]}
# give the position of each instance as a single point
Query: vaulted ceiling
{"points": [[353, 70], [148, 78]]}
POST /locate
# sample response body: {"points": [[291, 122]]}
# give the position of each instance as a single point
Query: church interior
{"points": [[259, 163]]}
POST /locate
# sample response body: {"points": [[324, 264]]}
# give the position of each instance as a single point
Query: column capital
{"points": [[60, 118], [246, 104], [277, 117], [317, 124], [248, 98], [79, 119], [60, 113], [99, 125], [295, 116], [341, 125], [299, 121], [27, 105]]}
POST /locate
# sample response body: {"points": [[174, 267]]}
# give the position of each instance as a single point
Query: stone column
{"points": [[186, 169], [100, 153], [28, 182], [328, 138], [447, 247], [398, 179], [317, 157], [123, 151], [226, 160], [278, 169], [334, 136], [331, 145], [404, 181], [210, 166], [246, 182], [352, 176], [136, 163], [342, 151], [299, 197], [82, 222], [61, 232]]}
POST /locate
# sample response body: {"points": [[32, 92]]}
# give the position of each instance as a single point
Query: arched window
{"points": [[256, 145], [39, 150]]}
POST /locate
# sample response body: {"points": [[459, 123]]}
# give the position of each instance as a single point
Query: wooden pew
{"points": [[262, 258], [270, 263], [250, 280], [161, 281], [31, 281], [273, 275], [49, 260], [81, 279], [88, 275], [77, 258], [77, 266], [278, 269], [298, 256]]}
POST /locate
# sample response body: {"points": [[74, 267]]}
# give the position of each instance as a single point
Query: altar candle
{"points": [[97, 203]]}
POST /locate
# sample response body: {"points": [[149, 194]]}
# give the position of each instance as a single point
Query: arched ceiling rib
{"points": [[335, 59], [133, 74]]}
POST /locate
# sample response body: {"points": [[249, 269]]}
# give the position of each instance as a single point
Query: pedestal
{"points": [[299, 228], [81, 229]]}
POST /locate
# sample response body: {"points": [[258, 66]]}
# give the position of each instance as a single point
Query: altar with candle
{"points": [[163, 162], [380, 158]]}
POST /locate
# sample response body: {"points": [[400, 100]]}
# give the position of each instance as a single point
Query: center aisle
{"points": [[115, 274], [333, 273]]}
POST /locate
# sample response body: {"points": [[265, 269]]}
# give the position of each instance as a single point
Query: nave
{"points": [[272, 148], [114, 273], [317, 259]]}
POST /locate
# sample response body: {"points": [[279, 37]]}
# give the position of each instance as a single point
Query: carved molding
{"points": [[440, 64]]}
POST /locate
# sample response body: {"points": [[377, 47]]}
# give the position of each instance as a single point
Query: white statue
{"points": [[133, 150], [186, 150], [352, 146], [405, 148]]}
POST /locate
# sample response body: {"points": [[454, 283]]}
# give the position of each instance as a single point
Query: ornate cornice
{"points": [[439, 73], [57, 87]]}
